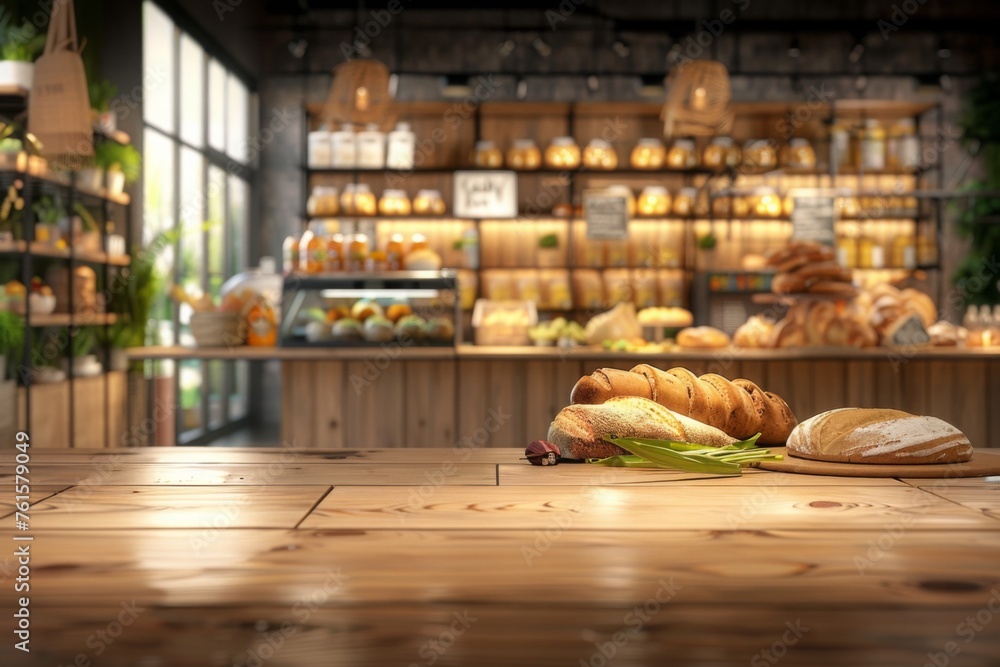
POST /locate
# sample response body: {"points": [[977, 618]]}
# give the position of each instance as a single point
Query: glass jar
{"points": [[562, 153], [524, 155], [394, 252], [394, 202], [320, 155], [335, 253], [371, 148], [682, 154], [904, 146], [766, 203], [428, 202], [401, 147], [871, 146], [344, 148], [347, 206], [488, 155], [323, 202], [760, 154], [599, 154], [364, 200], [722, 153], [649, 153], [799, 154], [654, 200], [419, 242], [684, 202]]}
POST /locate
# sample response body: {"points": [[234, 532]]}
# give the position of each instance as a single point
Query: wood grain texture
{"points": [[266, 456], [599, 507], [518, 474], [429, 398], [374, 402], [298, 404], [328, 418], [984, 463], [39, 492]]}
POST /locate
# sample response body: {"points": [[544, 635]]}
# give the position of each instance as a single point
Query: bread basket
{"points": [[217, 329]]}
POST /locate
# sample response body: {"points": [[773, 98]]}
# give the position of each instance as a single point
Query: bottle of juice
{"points": [[357, 253], [335, 253], [312, 252], [394, 252]]}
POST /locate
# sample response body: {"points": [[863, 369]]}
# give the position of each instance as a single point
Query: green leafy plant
{"points": [[19, 42], [650, 453], [548, 241], [139, 290], [83, 342], [11, 339], [707, 242], [978, 222], [111, 156], [86, 217], [48, 211], [101, 94], [15, 137]]}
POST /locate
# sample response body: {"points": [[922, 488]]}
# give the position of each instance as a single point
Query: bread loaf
{"points": [[740, 408], [868, 435], [579, 430], [702, 338]]}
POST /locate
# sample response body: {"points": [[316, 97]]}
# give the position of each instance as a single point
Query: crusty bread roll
{"points": [[734, 407], [755, 332], [579, 430], [873, 435], [702, 337]]}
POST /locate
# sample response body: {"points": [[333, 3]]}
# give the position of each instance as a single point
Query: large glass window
{"points": [[197, 123]]}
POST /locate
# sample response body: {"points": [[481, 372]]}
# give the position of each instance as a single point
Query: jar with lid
{"points": [[600, 154], [760, 154], [320, 155], [335, 253], [401, 147], [654, 200], [344, 148], [904, 146], [371, 148], [312, 251], [524, 155], [428, 202], [562, 153], [394, 252], [871, 147], [722, 153], [357, 253], [419, 242], [682, 154], [347, 199], [649, 153], [488, 155], [684, 201], [364, 200], [394, 202], [766, 203], [323, 201], [840, 146], [799, 154]]}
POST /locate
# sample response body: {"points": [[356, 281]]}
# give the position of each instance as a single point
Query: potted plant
{"points": [[548, 250], [86, 232], [48, 214], [101, 94], [11, 341], [19, 45], [121, 163], [11, 216], [85, 362]]}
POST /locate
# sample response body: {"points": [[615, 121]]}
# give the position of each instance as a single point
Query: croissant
{"points": [[739, 408]]}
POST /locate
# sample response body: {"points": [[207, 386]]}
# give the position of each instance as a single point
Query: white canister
{"points": [[344, 148], [401, 147], [319, 149], [371, 148]]}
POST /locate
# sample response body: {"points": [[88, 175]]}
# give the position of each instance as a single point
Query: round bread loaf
{"points": [[702, 337], [874, 435]]}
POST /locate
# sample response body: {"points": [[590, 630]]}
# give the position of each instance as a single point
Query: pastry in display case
{"points": [[524, 155], [503, 322], [373, 309], [649, 153], [562, 153], [599, 154]]}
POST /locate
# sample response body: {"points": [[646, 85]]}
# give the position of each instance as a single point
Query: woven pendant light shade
{"points": [[359, 94], [699, 102]]}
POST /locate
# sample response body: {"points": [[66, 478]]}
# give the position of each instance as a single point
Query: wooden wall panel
{"points": [[89, 415], [374, 413], [298, 405], [49, 422], [328, 395], [9, 413], [430, 403]]}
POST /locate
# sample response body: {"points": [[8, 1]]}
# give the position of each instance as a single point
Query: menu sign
{"points": [[812, 218], [606, 215], [485, 194]]}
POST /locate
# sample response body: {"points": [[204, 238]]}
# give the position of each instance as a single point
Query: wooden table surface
{"points": [[221, 557]]}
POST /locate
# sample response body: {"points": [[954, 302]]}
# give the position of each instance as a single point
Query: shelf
{"points": [[79, 320], [48, 252], [46, 175], [383, 170]]}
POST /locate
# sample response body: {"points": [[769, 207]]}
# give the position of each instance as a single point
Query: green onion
{"points": [[692, 457]]}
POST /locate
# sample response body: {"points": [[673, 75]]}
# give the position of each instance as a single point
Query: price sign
{"points": [[606, 215], [812, 218], [485, 194]]}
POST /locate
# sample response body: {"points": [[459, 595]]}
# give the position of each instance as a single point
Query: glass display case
{"points": [[408, 308]]}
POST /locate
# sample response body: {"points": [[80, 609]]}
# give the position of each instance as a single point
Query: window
{"points": [[197, 119]]}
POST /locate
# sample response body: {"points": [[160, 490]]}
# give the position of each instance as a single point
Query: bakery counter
{"points": [[502, 396]]}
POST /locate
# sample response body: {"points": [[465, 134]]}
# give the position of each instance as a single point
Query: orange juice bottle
{"points": [[419, 242], [394, 252], [312, 253], [357, 253], [335, 253]]}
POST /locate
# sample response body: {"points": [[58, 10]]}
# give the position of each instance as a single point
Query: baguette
{"points": [[579, 430], [740, 409]]}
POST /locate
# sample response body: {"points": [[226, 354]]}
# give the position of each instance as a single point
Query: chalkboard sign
{"points": [[485, 194], [812, 218], [606, 215]]}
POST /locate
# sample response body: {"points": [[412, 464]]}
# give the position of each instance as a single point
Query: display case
{"points": [[408, 308]]}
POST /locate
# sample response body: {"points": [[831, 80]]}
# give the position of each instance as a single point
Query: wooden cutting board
{"points": [[984, 463]]}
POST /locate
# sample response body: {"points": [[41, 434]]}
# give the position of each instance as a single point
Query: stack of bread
{"points": [[822, 323], [653, 403], [804, 267], [900, 317]]}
